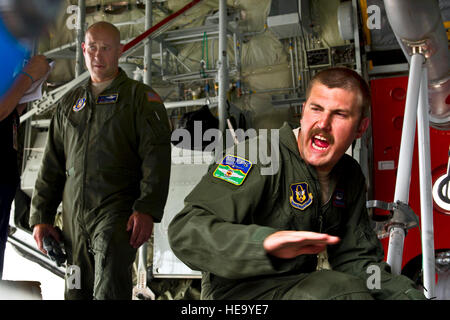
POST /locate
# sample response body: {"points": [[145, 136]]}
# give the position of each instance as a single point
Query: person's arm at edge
{"points": [[35, 69]]}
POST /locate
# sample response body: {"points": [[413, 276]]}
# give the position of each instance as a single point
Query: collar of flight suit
{"points": [[287, 138], [121, 77]]}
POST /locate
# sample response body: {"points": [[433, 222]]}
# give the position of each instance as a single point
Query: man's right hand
{"points": [[42, 230], [290, 244]]}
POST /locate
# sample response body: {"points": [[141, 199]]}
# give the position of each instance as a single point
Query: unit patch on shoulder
{"points": [[300, 197], [233, 169], [338, 198], [79, 105], [153, 97], [108, 98]]}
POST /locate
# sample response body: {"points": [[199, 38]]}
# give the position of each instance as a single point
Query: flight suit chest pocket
{"points": [[76, 120], [106, 112]]}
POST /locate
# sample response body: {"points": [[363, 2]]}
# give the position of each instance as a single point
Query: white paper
{"points": [[35, 91]]}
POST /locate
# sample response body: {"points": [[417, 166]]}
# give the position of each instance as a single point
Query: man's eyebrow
{"points": [[102, 44], [341, 111], [337, 110], [316, 105]]}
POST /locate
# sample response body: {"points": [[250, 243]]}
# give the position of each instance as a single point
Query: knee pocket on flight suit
{"points": [[342, 286], [329, 285], [100, 248], [113, 256]]}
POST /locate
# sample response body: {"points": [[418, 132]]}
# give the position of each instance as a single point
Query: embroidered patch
{"points": [[79, 105], [300, 197], [109, 98], [153, 97], [338, 198], [233, 169]]}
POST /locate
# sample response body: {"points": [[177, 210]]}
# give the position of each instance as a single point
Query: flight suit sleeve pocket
{"points": [[159, 132]]}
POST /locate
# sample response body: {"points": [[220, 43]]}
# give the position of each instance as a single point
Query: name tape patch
{"points": [[108, 98], [339, 198]]}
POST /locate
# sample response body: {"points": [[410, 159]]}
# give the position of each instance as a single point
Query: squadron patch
{"points": [[153, 97], [300, 197], [81, 103], [108, 98], [233, 169]]}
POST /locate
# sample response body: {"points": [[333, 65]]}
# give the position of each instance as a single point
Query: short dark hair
{"points": [[344, 78]]}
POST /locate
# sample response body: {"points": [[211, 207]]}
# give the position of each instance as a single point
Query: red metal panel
{"points": [[388, 103]]}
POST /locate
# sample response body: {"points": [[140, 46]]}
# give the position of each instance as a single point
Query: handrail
{"points": [[164, 21]]}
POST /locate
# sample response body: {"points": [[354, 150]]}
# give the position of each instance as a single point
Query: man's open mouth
{"points": [[319, 142]]}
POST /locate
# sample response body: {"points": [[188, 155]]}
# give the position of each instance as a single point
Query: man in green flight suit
{"points": [[108, 159], [301, 232]]}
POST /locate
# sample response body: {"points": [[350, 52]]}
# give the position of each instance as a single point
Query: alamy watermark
{"points": [[374, 280], [259, 147], [73, 277], [373, 17]]}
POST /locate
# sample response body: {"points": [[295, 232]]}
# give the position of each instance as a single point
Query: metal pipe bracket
{"points": [[401, 216]]}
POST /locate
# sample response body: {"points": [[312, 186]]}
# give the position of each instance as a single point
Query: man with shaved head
{"points": [[107, 159]]}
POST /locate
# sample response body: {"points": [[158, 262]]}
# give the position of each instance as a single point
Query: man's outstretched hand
{"points": [[290, 244]]}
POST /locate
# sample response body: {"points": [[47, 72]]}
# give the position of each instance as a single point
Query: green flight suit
{"points": [[222, 227], [104, 159]]}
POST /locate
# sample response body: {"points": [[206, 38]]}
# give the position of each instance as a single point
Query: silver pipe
{"points": [[268, 90], [213, 62], [81, 21], [161, 58], [148, 44], [395, 251], [291, 55], [297, 71], [408, 131], [235, 50], [189, 103], [356, 36], [223, 63], [426, 190]]}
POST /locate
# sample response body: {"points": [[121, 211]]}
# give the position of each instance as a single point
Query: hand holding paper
{"points": [[39, 71]]}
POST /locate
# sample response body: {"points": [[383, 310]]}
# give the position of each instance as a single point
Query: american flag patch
{"points": [[152, 96]]}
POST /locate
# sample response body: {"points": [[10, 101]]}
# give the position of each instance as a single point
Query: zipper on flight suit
{"points": [[330, 195], [321, 213], [88, 129], [319, 206], [320, 220]]}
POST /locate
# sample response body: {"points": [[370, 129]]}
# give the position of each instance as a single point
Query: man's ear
{"points": [[303, 110], [121, 49], [362, 127]]}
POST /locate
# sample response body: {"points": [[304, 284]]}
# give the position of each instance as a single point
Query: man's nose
{"points": [[96, 53], [325, 121]]}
